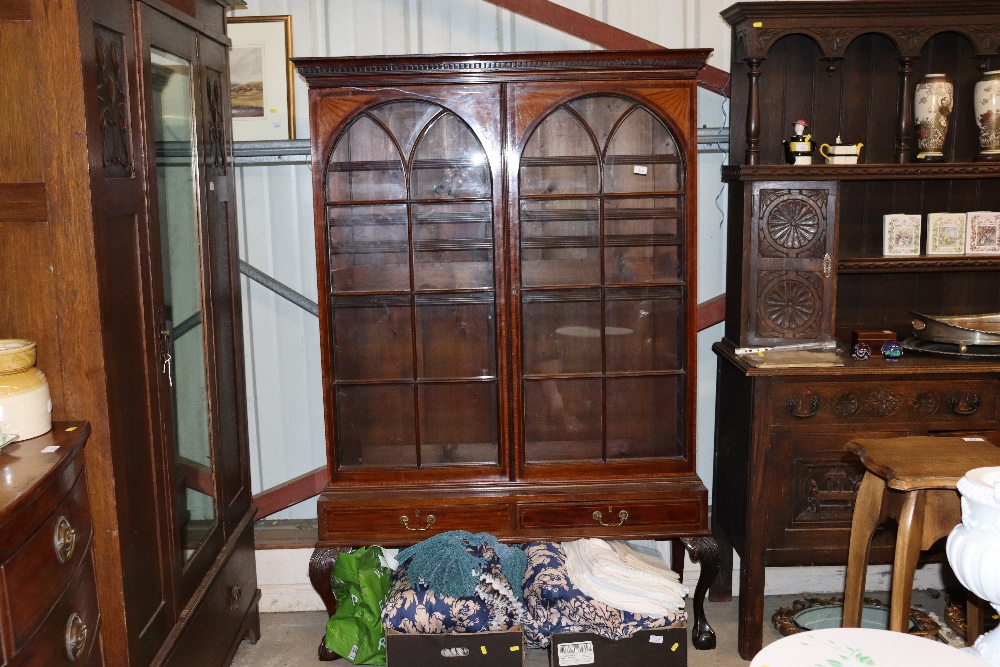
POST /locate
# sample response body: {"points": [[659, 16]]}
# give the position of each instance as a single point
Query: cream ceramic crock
{"points": [[25, 405]]}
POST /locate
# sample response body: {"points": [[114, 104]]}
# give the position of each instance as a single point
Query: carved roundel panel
{"points": [[792, 223], [790, 305]]}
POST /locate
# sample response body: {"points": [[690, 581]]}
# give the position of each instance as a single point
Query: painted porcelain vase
{"points": [[974, 548], [932, 108], [987, 109], [25, 406]]}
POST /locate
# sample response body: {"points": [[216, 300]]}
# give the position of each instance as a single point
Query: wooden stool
{"points": [[921, 473]]}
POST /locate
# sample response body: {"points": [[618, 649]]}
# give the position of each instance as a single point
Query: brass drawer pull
{"points": [[64, 540], [235, 593], [794, 406], [966, 407], [76, 636], [405, 520], [622, 518]]}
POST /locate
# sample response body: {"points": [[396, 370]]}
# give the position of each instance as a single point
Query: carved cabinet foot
{"points": [[704, 550], [320, 568]]}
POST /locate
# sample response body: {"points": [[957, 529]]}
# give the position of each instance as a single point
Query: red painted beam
{"points": [[290, 493], [711, 312], [602, 34]]}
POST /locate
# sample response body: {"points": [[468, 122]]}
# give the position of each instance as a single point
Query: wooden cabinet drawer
{"points": [[597, 516], [49, 644], [422, 519], [211, 626], [38, 573], [945, 403]]}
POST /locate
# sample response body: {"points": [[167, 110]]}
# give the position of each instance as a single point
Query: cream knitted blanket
{"points": [[619, 576]]}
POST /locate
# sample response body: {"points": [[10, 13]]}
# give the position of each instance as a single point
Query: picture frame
{"points": [[900, 235], [982, 235], [261, 77], [946, 233]]}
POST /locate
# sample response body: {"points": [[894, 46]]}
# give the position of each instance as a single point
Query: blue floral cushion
{"points": [[416, 609], [554, 605]]}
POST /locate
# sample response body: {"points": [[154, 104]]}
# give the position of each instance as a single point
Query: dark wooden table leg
{"points": [[751, 628], [704, 550], [721, 589], [320, 568], [677, 558]]}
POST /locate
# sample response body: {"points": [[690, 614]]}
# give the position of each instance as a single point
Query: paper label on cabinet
{"points": [[642, 171], [50, 449], [974, 439], [576, 653], [656, 639]]}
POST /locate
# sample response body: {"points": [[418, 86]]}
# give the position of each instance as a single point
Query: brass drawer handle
{"points": [[235, 593], [405, 520], [622, 518], [76, 636], [966, 407], [64, 540], [794, 406]]}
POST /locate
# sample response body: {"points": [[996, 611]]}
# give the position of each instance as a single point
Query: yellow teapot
{"points": [[841, 153]]}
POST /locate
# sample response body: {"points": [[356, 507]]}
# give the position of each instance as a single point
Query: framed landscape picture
{"points": [[261, 77]]}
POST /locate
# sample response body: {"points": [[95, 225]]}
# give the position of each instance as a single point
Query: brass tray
{"points": [[985, 352], [961, 330]]}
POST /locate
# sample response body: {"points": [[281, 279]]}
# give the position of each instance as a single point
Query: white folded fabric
{"points": [[639, 586]]}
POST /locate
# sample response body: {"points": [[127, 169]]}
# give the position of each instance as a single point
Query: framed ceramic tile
{"points": [[900, 234], [946, 233], [982, 233]]}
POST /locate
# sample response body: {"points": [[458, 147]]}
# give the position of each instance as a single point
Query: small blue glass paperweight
{"points": [[892, 350]]}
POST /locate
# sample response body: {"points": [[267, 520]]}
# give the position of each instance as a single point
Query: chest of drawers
{"points": [[49, 612]]}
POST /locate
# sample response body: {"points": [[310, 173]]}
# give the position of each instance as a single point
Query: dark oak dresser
{"points": [[506, 249], [806, 265], [49, 614]]}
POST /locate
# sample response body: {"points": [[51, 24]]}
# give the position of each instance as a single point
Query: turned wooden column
{"points": [[904, 127], [753, 111]]}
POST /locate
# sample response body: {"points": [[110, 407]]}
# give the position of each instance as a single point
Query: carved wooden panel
{"points": [[791, 262], [112, 98], [823, 491], [956, 403], [215, 149]]}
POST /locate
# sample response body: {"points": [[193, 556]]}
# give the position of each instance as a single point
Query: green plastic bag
{"points": [[360, 583]]}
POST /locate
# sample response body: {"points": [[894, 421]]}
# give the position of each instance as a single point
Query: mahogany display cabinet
{"points": [[506, 263]]}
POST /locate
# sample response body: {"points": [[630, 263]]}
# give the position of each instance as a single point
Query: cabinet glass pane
{"points": [[458, 423], [376, 426], [183, 329], [560, 158], [601, 113], [642, 156], [452, 245], [561, 332], [560, 242], [562, 420], [372, 338], [369, 248], [366, 165], [645, 330], [450, 163], [643, 241], [456, 336], [643, 417]]}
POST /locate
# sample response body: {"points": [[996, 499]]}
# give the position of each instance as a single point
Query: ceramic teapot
{"points": [[841, 153]]}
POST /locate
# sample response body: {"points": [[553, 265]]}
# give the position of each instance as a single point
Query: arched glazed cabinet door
{"points": [[603, 276], [411, 265]]}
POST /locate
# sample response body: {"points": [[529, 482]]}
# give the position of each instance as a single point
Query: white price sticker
{"points": [[974, 439], [576, 653], [656, 639], [642, 171]]}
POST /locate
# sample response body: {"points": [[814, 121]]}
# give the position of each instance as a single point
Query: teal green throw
{"points": [[445, 565]]}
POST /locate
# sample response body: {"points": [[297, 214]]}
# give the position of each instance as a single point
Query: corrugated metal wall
{"points": [[275, 202]]}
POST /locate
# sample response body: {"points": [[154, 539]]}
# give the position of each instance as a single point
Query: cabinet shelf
{"points": [[397, 165], [616, 241], [368, 247], [860, 172], [580, 214], [922, 263]]}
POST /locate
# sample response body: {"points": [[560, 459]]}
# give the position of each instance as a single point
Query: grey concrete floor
{"points": [[292, 639]]}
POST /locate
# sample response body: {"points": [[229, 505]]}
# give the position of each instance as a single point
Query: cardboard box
{"points": [[456, 649], [666, 647]]}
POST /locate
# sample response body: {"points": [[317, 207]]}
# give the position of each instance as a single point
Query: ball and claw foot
{"points": [[704, 550]]}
